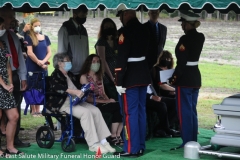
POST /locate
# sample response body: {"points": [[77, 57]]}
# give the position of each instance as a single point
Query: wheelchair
{"points": [[45, 137]]}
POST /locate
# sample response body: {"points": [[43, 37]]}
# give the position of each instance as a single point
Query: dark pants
{"points": [[113, 108], [134, 114], [187, 112], [162, 113]]}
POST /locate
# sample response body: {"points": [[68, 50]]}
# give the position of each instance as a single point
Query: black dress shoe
{"points": [[161, 134], [140, 153], [174, 133], [18, 143], [126, 154], [172, 149]]}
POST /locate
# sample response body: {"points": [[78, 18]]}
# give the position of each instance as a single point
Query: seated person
{"points": [[62, 81], [164, 62], [166, 110], [92, 71]]}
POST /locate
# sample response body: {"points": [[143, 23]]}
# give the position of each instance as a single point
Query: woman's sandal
{"points": [[3, 154], [18, 152], [114, 140], [120, 141]]}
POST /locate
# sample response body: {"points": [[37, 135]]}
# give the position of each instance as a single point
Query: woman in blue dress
{"points": [[39, 52]]}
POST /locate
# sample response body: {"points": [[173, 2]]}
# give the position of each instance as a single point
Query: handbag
{"points": [[86, 89], [33, 96]]}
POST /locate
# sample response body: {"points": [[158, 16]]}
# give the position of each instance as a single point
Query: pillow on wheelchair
{"points": [[86, 89]]}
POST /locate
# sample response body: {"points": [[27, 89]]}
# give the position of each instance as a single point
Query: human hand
{"points": [[12, 87], [40, 63], [79, 93], [27, 27], [8, 87], [111, 100], [156, 98], [172, 93], [120, 90], [45, 67], [23, 85]]}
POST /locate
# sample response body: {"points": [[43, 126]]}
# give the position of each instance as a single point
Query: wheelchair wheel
{"points": [[45, 137], [68, 147]]}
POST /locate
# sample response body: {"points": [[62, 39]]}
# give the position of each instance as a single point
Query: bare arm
{"points": [[101, 53], [49, 54], [83, 80], [167, 87]]}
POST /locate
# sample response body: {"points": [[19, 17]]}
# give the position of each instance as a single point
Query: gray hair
{"points": [[59, 57]]}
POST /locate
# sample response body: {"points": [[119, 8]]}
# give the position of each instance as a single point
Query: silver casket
{"points": [[228, 131]]}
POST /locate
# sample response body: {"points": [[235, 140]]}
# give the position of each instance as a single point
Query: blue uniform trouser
{"points": [[134, 117], [186, 101]]}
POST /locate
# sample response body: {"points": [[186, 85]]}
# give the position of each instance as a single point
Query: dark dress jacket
{"points": [[58, 84], [188, 49], [155, 47], [133, 43]]}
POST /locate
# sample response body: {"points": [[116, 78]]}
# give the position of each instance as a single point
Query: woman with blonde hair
{"points": [[39, 52]]}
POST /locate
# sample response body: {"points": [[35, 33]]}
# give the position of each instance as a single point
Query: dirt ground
{"points": [[221, 46]]}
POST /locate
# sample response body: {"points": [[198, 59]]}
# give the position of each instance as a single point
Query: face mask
{"points": [[68, 66], [2, 32], [109, 31], [95, 67], [37, 29], [80, 20], [16, 29], [164, 63]]}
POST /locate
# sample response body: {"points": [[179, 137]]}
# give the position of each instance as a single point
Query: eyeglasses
{"points": [[66, 61]]}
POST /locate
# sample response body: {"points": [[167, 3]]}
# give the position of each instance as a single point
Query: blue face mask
{"points": [[68, 66]]}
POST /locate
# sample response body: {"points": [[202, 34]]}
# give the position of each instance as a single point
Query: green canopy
{"points": [[210, 6]]}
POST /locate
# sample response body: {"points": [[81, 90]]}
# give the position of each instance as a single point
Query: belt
{"points": [[136, 59], [192, 63]]}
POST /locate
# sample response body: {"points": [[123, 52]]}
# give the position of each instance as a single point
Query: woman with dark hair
{"points": [[164, 62], [106, 48], [92, 71], [39, 52], [63, 81], [7, 101]]}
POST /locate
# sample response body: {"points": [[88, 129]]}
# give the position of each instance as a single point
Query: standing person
{"points": [[73, 39], [158, 34], [7, 102], [19, 71], [106, 48], [187, 77], [132, 74], [92, 72], [39, 52]]}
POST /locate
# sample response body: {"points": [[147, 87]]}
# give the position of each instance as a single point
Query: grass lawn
{"points": [[215, 78]]}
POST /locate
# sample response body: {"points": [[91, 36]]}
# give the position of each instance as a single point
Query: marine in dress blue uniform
{"points": [[133, 74], [187, 77]]}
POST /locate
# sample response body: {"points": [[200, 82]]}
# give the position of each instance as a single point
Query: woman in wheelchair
{"points": [[92, 122], [92, 72]]}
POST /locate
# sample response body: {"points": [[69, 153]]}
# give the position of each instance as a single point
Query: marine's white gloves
{"points": [[120, 90]]}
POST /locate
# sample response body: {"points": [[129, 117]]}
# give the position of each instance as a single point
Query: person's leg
{"points": [[12, 115], [33, 110], [131, 120], [184, 105], [18, 99], [142, 116], [3, 123], [194, 113], [86, 120], [171, 110]]}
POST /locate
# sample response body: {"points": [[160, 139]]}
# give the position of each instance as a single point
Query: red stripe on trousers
{"points": [[179, 106], [127, 121]]}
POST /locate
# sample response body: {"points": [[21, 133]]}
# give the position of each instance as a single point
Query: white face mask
{"points": [[37, 29], [2, 32]]}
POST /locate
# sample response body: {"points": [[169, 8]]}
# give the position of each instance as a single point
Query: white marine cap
{"points": [[188, 16], [122, 7]]}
